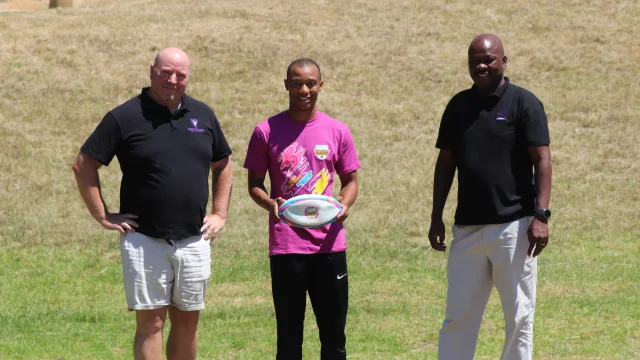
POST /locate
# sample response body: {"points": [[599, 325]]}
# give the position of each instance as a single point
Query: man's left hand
{"points": [[212, 225], [538, 237], [344, 214]]}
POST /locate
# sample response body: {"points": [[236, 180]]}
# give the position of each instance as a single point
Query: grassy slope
{"points": [[389, 69]]}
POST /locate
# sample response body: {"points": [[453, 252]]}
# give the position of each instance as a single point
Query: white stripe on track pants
{"points": [[480, 256]]}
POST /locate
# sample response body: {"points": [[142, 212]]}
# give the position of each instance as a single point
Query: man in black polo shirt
{"points": [[166, 143], [495, 134]]}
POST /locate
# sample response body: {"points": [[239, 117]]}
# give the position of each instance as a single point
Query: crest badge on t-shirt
{"points": [[321, 151]]}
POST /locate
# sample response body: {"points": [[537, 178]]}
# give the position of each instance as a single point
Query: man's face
{"points": [[303, 84], [486, 65], [169, 79]]}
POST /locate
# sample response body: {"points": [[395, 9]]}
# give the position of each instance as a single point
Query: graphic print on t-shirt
{"points": [[294, 160], [321, 182]]}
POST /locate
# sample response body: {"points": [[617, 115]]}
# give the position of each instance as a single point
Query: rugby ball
{"points": [[309, 211]]}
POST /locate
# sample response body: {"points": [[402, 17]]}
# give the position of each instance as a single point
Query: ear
{"points": [[320, 85], [286, 84], [151, 70], [504, 62]]}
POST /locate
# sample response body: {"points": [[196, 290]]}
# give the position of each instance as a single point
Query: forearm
{"points": [[261, 197], [221, 185], [89, 186], [442, 180], [543, 182], [349, 192]]}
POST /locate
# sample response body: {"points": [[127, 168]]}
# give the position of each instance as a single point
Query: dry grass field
{"points": [[389, 67]]}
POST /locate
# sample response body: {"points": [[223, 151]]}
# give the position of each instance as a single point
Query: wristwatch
{"points": [[542, 214]]}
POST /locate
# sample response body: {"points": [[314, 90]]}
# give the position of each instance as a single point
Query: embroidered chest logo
{"points": [[195, 128], [502, 115], [321, 151]]}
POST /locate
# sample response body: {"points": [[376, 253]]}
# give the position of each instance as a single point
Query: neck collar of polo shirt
{"points": [[185, 102], [497, 93]]}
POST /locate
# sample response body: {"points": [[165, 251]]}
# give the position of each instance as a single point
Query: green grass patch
{"points": [[389, 69]]}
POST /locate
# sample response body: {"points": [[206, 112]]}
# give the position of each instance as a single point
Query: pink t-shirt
{"points": [[302, 158]]}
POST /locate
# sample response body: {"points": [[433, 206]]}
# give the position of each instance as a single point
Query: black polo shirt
{"points": [[489, 136], [165, 160]]}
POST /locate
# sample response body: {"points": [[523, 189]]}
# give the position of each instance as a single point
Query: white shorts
{"points": [[157, 273]]}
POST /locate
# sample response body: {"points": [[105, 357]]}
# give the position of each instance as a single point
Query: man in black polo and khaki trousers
{"points": [[496, 135]]}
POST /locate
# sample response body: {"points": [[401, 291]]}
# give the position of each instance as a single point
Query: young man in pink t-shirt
{"points": [[302, 149]]}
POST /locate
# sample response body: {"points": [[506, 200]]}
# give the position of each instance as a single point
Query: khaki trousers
{"points": [[479, 257]]}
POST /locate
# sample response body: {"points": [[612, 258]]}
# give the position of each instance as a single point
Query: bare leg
{"points": [[147, 344], [183, 336]]}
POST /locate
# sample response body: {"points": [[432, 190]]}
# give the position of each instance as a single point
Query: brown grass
{"points": [[389, 69]]}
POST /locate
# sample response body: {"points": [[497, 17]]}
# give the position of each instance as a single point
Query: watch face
{"points": [[545, 213]]}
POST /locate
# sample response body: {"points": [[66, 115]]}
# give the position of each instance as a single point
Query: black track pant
{"points": [[325, 277]]}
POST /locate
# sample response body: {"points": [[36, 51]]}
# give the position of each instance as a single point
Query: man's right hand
{"points": [[274, 206], [436, 235], [120, 222]]}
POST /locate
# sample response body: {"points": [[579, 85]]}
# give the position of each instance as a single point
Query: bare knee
{"points": [[150, 322], [184, 321]]}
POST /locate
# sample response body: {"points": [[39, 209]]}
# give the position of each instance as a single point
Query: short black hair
{"points": [[303, 62]]}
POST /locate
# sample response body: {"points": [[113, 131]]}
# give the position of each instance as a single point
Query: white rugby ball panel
{"points": [[308, 211]]}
